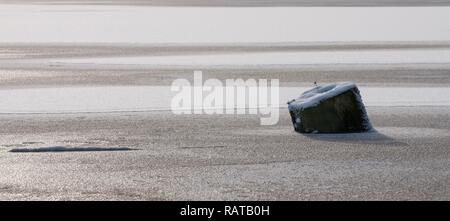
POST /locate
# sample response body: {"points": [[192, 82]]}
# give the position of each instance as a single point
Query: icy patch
{"points": [[151, 98], [67, 149], [96, 23], [394, 56], [85, 99]]}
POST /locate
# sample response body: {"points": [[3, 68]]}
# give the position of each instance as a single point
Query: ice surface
{"points": [[101, 23], [85, 99], [419, 56], [146, 98]]}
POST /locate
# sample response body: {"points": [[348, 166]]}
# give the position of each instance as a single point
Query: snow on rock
{"points": [[316, 95], [330, 108]]}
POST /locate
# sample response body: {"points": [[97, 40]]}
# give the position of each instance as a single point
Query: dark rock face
{"points": [[333, 108]]}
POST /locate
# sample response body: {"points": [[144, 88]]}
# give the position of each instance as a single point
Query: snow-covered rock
{"points": [[330, 108]]}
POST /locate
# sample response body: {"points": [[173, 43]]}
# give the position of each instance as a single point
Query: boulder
{"points": [[330, 108]]}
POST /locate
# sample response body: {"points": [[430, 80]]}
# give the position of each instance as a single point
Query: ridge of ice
{"points": [[318, 94]]}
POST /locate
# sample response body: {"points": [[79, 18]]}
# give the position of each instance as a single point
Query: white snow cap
{"points": [[318, 94]]}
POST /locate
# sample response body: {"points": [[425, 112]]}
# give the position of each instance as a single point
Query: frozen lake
{"points": [[219, 157], [106, 24]]}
